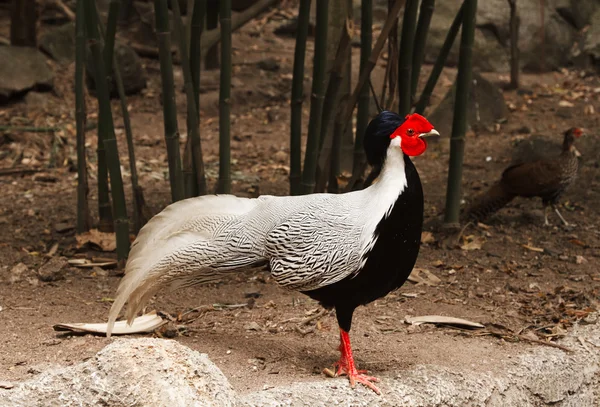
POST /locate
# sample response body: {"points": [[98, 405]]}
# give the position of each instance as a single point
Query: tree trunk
{"points": [[23, 23]]}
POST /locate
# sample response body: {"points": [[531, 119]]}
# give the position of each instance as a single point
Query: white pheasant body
{"points": [[308, 241]]}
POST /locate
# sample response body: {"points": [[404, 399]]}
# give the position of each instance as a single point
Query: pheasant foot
{"points": [[346, 366]]}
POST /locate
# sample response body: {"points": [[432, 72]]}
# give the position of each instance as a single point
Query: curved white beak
{"points": [[433, 132]]}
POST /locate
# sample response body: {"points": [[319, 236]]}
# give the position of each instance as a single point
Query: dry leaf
{"points": [[104, 241], [565, 103], [533, 249], [472, 242], [442, 320], [427, 237], [423, 276], [146, 323]]}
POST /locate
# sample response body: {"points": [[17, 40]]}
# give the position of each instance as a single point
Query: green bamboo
{"points": [[224, 183], [425, 13], [197, 26], [298, 97], [459, 122], [192, 111], [109, 38], [331, 103], [514, 24], [107, 133], [83, 210], [307, 185], [364, 100], [439, 62], [405, 53], [137, 192], [163, 35], [211, 60], [195, 29], [105, 210]]}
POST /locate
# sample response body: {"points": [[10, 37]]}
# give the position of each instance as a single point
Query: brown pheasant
{"points": [[546, 178]]}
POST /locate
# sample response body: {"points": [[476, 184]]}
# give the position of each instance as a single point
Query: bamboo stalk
{"points": [[196, 27], [307, 184], [109, 37], [298, 97], [211, 60], [405, 54], [107, 135], [331, 105], [459, 122], [83, 210], [168, 93], [391, 69], [192, 110], [385, 31], [139, 209], [364, 101], [440, 61], [224, 183], [514, 44], [425, 13]]}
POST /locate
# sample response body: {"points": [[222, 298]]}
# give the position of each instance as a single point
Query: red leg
{"points": [[346, 366]]}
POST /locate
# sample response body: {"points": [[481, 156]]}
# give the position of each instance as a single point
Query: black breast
{"points": [[391, 259]]}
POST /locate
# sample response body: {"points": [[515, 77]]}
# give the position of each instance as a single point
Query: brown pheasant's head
{"points": [[570, 136]]}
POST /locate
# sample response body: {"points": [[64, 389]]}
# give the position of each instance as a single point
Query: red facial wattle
{"points": [[409, 132], [413, 145]]}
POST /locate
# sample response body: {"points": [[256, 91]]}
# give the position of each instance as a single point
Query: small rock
{"points": [[269, 64], [37, 100], [252, 326], [53, 269], [580, 260], [16, 273], [237, 82]]}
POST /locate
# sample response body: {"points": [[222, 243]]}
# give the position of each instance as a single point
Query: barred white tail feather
{"points": [[177, 226]]}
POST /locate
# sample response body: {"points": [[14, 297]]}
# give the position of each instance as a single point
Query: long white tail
{"points": [[158, 253]]}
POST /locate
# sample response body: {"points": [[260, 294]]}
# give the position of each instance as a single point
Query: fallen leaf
{"points": [[104, 241], [423, 276], [427, 237], [146, 323], [580, 260], [472, 243], [565, 103], [442, 320], [533, 249]]}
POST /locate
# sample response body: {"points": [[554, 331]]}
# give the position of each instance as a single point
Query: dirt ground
{"points": [[513, 274]]}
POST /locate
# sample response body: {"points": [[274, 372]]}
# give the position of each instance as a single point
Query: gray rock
{"points": [[491, 48], [132, 71], [22, 69], [53, 269], [486, 106], [129, 372], [156, 372], [59, 43]]}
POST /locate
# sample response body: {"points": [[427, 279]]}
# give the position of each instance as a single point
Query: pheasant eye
{"points": [[410, 132]]}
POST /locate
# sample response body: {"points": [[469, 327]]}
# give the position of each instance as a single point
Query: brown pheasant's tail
{"points": [[488, 202]]}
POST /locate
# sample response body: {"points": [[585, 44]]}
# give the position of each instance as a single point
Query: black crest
{"points": [[377, 136]]}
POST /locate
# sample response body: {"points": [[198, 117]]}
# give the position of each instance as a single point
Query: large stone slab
{"points": [[21, 69], [157, 372]]}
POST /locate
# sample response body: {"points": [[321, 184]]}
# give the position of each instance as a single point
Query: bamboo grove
{"points": [[332, 105]]}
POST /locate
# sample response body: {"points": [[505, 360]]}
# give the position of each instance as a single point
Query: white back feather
{"points": [[169, 230]]}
